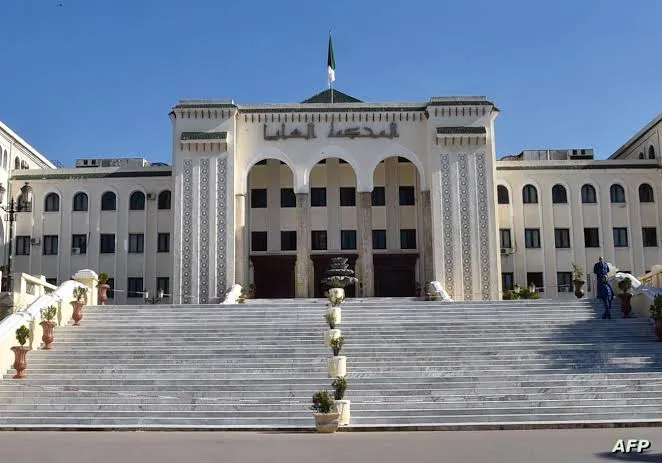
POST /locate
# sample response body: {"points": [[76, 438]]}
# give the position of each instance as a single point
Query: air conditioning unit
{"points": [[75, 250], [35, 241], [151, 196], [506, 251]]}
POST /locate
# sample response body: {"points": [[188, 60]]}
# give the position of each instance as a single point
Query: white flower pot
{"points": [[337, 366], [326, 422], [337, 312], [343, 409], [329, 335], [336, 296]]}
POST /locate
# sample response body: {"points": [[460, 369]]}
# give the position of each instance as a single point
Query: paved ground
{"points": [[547, 446]]}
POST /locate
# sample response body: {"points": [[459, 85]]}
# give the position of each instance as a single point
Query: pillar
{"points": [[426, 235], [364, 225], [302, 269], [240, 242], [90, 279]]}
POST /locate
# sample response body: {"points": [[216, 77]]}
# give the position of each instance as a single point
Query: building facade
{"points": [[267, 194]]}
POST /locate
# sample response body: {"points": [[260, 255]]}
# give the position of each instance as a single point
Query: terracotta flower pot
{"points": [[579, 291], [20, 360], [78, 312], [626, 307], [658, 328], [47, 337], [103, 293]]}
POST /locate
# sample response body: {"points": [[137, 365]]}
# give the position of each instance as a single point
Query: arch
{"points": [[165, 199], [559, 194], [52, 202], [270, 153], [80, 202], [5, 160], [589, 194], [651, 152], [17, 163], [333, 151], [641, 155], [109, 201], [393, 150], [503, 196], [137, 201], [617, 193], [529, 194], [646, 193]]}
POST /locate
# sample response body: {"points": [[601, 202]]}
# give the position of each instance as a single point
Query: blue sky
{"points": [[98, 78]]}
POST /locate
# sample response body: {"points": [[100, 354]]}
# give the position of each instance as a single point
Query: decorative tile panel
{"points": [[187, 231], [465, 227], [204, 232], [483, 223], [447, 214], [221, 227]]}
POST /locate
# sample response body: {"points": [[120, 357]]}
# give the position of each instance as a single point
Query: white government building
{"points": [[266, 194]]}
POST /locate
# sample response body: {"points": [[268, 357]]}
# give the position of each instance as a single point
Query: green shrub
{"points": [[340, 385], [323, 402], [22, 335]]}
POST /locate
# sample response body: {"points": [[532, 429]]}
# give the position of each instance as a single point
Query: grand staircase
{"points": [[430, 365]]}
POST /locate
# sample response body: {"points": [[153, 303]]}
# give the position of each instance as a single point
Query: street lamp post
{"points": [[12, 208], [154, 299]]}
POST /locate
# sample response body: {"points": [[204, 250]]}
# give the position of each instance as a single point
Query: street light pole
{"points": [[12, 209]]}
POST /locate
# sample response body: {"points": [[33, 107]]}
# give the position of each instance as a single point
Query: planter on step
{"points": [[336, 313], [326, 422], [47, 336], [329, 335], [326, 416], [337, 366], [77, 315], [579, 287], [343, 410], [103, 293], [658, 328], [336, 296], [626, 306], [20, 360]]}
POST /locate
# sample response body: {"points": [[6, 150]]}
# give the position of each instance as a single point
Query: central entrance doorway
{"points": [[395, 275], [273, 276], [322, 262]]}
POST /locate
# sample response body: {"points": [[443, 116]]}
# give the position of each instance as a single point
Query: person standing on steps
{"points": [[605, 291], [601, 269]]}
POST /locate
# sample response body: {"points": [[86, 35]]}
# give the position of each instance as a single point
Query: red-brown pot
{"points": [[658, 328], [626, 306], [47, 337], [78, 312], [103, 294], [20, 360]]}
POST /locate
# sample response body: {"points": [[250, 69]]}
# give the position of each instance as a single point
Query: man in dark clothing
{"points": [[601, 269], [606, 294]]}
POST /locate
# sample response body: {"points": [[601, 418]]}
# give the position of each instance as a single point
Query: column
{"points": [[241, 242], [426, 235], [302, 270], [364, 226]]}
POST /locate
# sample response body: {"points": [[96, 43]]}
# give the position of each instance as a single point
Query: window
{"points": [[507, 281], [379, 196], [646, 193], [564, 282], [318, 197], [287, 197], [22, 245], [107, 243], [401, 159], [591, 238], [651, 152], [258, 198], [108, 201], [111, 290], [641, 156], [136, 243], [288, 241], [379, 239], [17, 163], [163, 242], [504, 233], [134, 287], [258, 241], [408, 239], [137, 201], [536, 279], [79, 244], [617, 194], [52, 203], [51, 281], [164, 284], [562, 237], [165, 199], [529, 194], [80, 202], [347, 239], [559, 194], [347, 196], [620, 237], [318, 238], [502, 195], [407, 196], [588, 194], [50, 245], [649, 235], [532, 237]]}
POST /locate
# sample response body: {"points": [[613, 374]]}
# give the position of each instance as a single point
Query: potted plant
{"points": [[340, 385], [326, 416], [656, 315], [338, 277], [251, 291], [337, 365], [21, 351], [242, 297], [578, 280], [79, 295], [332, 332], [103, 288], [625, 286], [47, 325]]}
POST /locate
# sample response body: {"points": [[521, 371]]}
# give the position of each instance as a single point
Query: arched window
{"points": [[52, 203], [646, 193], [137, 201], [617, 194], [502, 195], [80, 201], [559, 194], [108, 201], [529, 194], [17, 163], [651, 152], [641, 156], [588, 194], [164, 199]]}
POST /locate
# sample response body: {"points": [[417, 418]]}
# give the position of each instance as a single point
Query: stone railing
{"points": [[642, 294], [653, 278], [25, 290]]}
